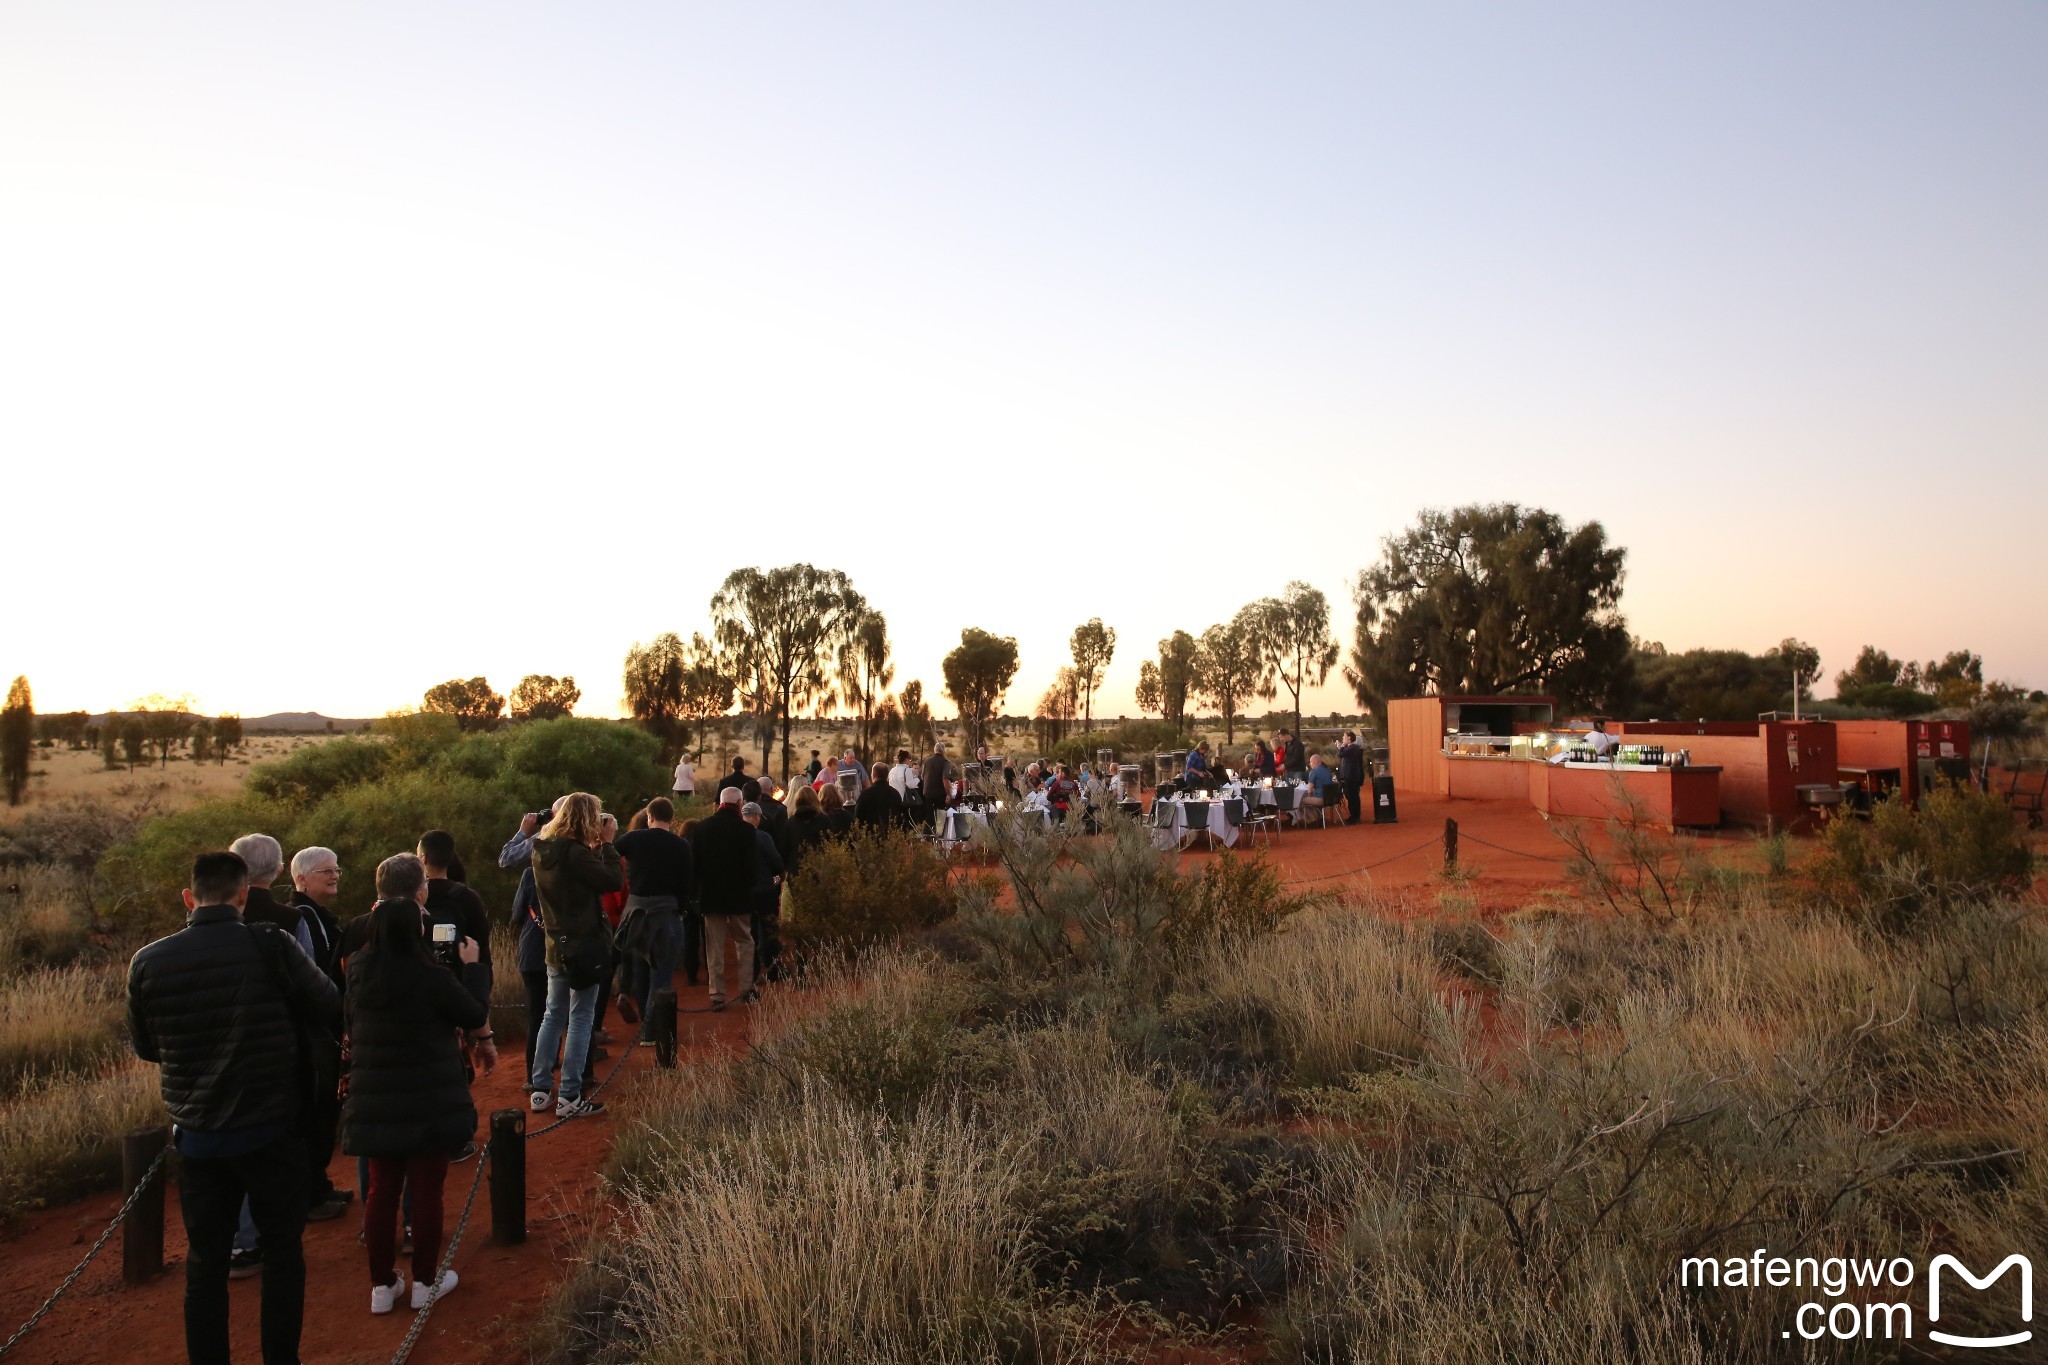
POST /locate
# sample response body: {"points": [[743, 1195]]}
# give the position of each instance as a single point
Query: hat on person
{"points": [[730, 796]]}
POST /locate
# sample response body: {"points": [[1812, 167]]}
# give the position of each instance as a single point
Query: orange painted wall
{"points": [[1489, 779], [1415, 745], [1897, 743]]}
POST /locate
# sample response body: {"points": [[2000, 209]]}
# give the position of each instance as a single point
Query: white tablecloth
{"points": [[958, 823], [1219, 825]]}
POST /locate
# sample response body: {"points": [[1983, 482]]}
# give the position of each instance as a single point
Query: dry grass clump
{"points": [[60, 1020], [48, 925], [831, 1234], [1344, 990], [60, 1136]]}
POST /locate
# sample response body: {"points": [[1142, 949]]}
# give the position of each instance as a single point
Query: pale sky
{"points": [[344, 352]]}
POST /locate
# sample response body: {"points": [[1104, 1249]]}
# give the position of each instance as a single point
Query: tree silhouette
{"points": [[227, 734], [471, 702], [778, 626], [707, 691], [1492, 599], [1233, 665], [17, 733], [1298, 640], [165, 722], [539, 696], [654, 684], [917, 717], [1093, 645], [1148, 693], [865, 670], [1178, 653], [978, 671]]}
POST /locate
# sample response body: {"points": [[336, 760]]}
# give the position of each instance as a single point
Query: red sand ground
{"points": [[101, 1322]]}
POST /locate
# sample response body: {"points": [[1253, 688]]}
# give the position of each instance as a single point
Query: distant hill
{"points": [[298, 721], [276, 723]]}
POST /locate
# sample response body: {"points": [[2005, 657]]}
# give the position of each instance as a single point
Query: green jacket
{"points": [[572, 879]]}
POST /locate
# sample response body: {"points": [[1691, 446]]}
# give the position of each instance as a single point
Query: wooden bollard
{"points": [[1450, 844], [508, 1177], [662, 1008], [142, 1233]]}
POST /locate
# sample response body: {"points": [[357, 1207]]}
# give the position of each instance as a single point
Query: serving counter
{"points": [[1674, 797]]}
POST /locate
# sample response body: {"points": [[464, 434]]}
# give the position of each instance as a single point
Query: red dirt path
{"points": [[487, 1318]]}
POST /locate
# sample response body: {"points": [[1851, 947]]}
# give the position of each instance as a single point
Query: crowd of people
{"points": [[282, 1034]]}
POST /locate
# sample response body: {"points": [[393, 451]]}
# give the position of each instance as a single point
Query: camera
{"points": [[446, 949]]}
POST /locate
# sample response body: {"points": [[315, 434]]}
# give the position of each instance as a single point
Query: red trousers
{"points": [[388, 1176]]}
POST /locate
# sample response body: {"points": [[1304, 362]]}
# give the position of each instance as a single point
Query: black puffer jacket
{"points": [[725, 854], [205, 1008], [407, 1095]]}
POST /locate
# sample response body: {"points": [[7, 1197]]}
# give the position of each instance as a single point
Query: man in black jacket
{"points": [[217, 1006], [316, 883], [880, 809], [1351, 772], [264, 858], [727, 857]]}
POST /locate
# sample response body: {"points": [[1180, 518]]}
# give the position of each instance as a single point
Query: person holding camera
{"points": [[409, 1108], [455, 912], [574, 867]]}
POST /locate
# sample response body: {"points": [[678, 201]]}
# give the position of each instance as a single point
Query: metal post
{"points": [[663, 1023], [142, 1234], [508, 1177], [1450, 844]]}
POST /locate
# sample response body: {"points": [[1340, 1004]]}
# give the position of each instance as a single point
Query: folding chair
{"points": [[1197, 815], [1236, 814], [1322, 812], [1283, 805], [1162, 824]]}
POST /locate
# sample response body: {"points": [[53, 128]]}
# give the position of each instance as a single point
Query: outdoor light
{"points": [[999, 805]]}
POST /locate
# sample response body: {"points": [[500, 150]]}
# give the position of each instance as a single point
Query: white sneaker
{"points": [[538, 1101], [384, 1297], [449, 1280], [575, 1109]]}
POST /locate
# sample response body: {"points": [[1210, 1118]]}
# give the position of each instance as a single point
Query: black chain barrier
{"points": [[1498, 848], [419, 1321], [433, 1293], [1431, 842], [134, 1195]]}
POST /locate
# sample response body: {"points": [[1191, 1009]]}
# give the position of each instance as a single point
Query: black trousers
{"points": [[1351, 790], [210, 1193], [693, 948], [322, 1127], [536, 984]]}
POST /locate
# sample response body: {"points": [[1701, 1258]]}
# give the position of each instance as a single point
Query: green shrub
{"points": [[865, 888], [1957, 844], [304, 776]]}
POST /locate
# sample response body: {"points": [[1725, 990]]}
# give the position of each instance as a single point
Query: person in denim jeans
{"points": [[574, 866]]}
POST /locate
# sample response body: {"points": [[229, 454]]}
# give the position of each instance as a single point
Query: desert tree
{"points": [[472, 702], [780, 625], [165, 723], [1058, 708], [1492, 599], [540, 696], [1233, 665], [1148, 695], [707, 690], [110, 739], [978, 671], [134, 741], [1093, 645], [917, 717], [17, 736], [654, 688], [227, 734], [1178, 653], [1298, 641], [865, 668], [201, 740]]}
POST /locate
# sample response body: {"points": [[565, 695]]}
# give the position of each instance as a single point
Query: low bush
{"points": [[865, 888], [1901, 867]]}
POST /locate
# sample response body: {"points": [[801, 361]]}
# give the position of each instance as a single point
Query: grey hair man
{"points": [[316, 884], [265, 858]]}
